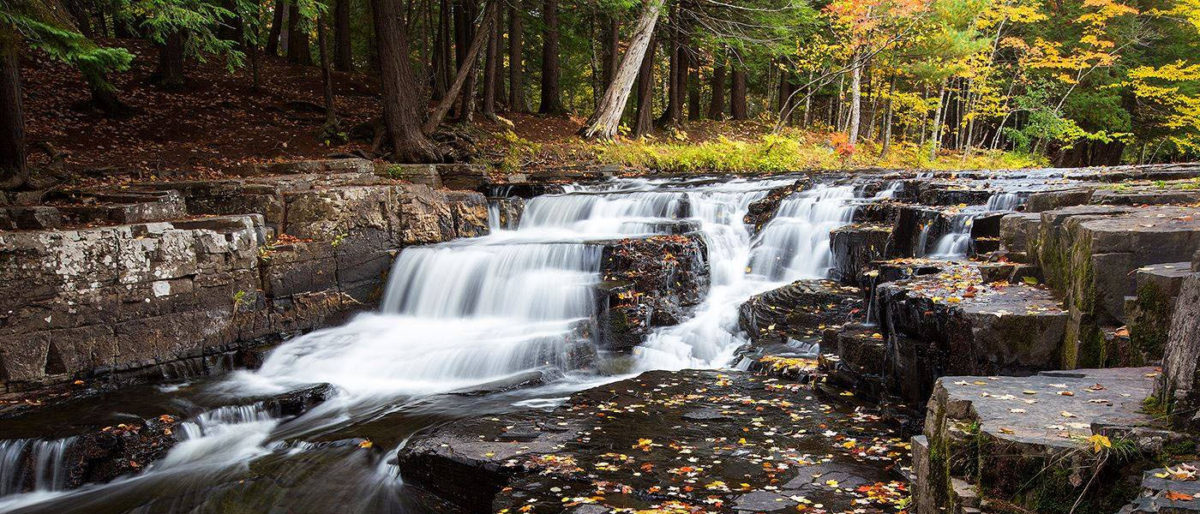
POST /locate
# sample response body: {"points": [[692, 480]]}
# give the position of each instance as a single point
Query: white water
{"points": [[956, 244], [33, 461], [471, 312]]}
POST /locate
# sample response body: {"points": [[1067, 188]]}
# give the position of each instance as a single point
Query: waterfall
{"points": [[33, 464], [956, 243], [493, 215], [1004, 202], [465, 314], [795, 243]]}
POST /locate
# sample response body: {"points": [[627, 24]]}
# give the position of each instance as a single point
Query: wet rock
{"points": [[1051, 200], [954, 324], [761, 211], [855, 247], [508, 210], [1150, 311], [859, 355], [77, 300], [1017, 230], [649, 282], [952, 195], [1179, 388], [798, 311], [1025, 440], [691, 439], [295, 403], [101, 456], [1089, 253], [129, 299], [915, 231], [1167, 490]]}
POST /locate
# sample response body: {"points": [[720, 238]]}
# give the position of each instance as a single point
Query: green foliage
{"points": [[44, 28], [197, 20], [788, 151]]}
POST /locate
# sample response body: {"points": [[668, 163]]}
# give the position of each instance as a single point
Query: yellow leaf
{"points": [[1098, 442]]}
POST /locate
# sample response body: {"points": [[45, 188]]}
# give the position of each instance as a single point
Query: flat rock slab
{"points": [[952, 323], [688, 440], [1173, 489], [1054, 407]]}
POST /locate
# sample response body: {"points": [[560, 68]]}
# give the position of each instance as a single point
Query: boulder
{"points": [[1029, 441], [855, 247], [1150, 311], [1179, 389], [762, 210], [798, 311], [953, 323], [1090, 254], [649, 282]]}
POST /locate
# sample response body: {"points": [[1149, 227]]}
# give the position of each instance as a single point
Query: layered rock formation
{"points": [[251, 261]]}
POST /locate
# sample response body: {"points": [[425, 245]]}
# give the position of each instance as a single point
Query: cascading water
{"points": [[956, 243], [1000, 202], [470, 313], [33, 463]]}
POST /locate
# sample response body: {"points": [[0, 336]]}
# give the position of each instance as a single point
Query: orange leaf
{"points": [[1174, 496]]}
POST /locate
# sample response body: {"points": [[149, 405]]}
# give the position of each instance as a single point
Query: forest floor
{"points": [[219, 122]]}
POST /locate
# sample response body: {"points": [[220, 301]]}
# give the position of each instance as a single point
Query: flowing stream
{"points": [[467, 315]]}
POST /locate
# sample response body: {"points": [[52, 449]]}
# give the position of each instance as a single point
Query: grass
{"points": [[790, 151]]}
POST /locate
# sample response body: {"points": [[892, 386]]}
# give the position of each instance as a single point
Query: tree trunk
{"points": [[551, 93], [13, 171], [277, 22], [297, 48], [645, 85], [491, 69], [606, 120], [82, 20], [855, 99], [737, 91], [516, 64], [326, 75], [887, 120], [342, 56], [464, 30], [936, 132], [716, 105], [612, 49], [477, 44], [402, 103], [674, 112], [169, 74], [693, 87], [441, 52]]}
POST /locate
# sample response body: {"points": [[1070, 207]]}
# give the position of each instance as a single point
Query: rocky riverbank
{"points": [[952, 307]]}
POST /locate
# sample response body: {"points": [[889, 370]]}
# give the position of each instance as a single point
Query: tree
{"points": [[43, 24], [277, 22], [491, 71], [737, 92], [551, 73], [14, 172], [183, 29], [716, 105], [603, 124], [342, 58], [464, 72], [298, 51], [402, 101], [644, 122], [516, 61]]}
